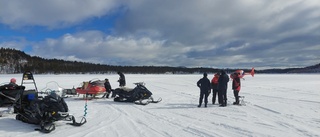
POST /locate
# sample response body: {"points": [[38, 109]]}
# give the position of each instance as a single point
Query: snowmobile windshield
{"points": [[54, 95]]}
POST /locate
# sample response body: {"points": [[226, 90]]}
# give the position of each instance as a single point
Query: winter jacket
{"points": [[223, 81], [236, 85], [107, 86], [204, 84], [214, 81], [122, 79]]}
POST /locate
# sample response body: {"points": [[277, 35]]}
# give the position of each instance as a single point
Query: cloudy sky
{"points": [[191, 33]]}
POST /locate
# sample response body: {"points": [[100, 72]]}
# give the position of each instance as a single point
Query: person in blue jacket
{"points": [[205, 88]]}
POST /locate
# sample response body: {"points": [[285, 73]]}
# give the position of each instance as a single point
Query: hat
{"points": [[13, 80], [205, 74], [222, 72]]}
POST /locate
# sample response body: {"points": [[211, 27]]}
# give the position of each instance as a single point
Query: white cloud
{"points": [[19, 45], [52, 13], [94, 46], [178, 33]]}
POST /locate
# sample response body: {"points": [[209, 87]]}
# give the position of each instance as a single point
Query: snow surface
{"points": [[276, 105]]}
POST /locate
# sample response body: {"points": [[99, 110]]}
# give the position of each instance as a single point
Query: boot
{"points": [[223, 104], [107, 96]]}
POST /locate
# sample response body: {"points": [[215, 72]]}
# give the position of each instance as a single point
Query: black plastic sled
{"points": [[8, 94], [139, 95], [42, 110]]}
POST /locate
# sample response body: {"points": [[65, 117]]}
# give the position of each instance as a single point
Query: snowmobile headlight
{"points": [[53, 113]]}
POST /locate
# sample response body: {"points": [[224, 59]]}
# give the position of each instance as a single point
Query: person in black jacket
{"points": [[122, 79], [108, 88], [205, 88], [222, 87]]}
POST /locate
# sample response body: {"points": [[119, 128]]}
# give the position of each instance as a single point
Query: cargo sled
{"points": [[92, 88], [8, 94]]}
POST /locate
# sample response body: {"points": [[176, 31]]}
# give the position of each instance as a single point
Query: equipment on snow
{"points": [[8, 94], [139, 95], [91, 88], [43, 111], [241, 101], [242, 73]]}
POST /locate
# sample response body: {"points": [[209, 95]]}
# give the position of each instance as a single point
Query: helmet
{"points": [[13, 80]]}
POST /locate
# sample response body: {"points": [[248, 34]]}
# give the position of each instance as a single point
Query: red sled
{"points": [[92, 88]]}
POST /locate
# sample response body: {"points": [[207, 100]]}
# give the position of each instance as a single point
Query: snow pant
{"points": [[223, 96], [236, 96], [204, 94], [214, 96], [106, 94], [122, 83]]}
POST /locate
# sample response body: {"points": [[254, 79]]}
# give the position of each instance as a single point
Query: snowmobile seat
{"points": [[126, 89], [26, 97], [30, 95]]}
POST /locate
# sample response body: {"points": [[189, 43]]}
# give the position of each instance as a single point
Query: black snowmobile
{"points": [[39, 110], [139, 95]]}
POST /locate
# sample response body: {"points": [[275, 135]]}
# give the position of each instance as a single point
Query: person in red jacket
{"points": [[214, 83], [236, 85]]}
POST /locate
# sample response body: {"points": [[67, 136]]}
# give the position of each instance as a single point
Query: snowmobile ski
{"points": [[46, 127], [150, 100], [74, 123]]}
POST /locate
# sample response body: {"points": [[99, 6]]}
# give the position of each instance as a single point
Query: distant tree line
{"points": [[15, 61], [18, 62]]}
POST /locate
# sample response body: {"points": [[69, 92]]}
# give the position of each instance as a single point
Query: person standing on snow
{"points": [[236, 87], [222, 87], [108, 88], [205, 88], [214, 84], [122, 79]]}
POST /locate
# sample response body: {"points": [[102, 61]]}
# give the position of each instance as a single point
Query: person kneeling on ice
{"points": [[236, 87], [205, 88], [108, 88]]}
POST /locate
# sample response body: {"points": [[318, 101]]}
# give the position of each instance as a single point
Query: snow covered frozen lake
{"points": [[276, 105]]}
